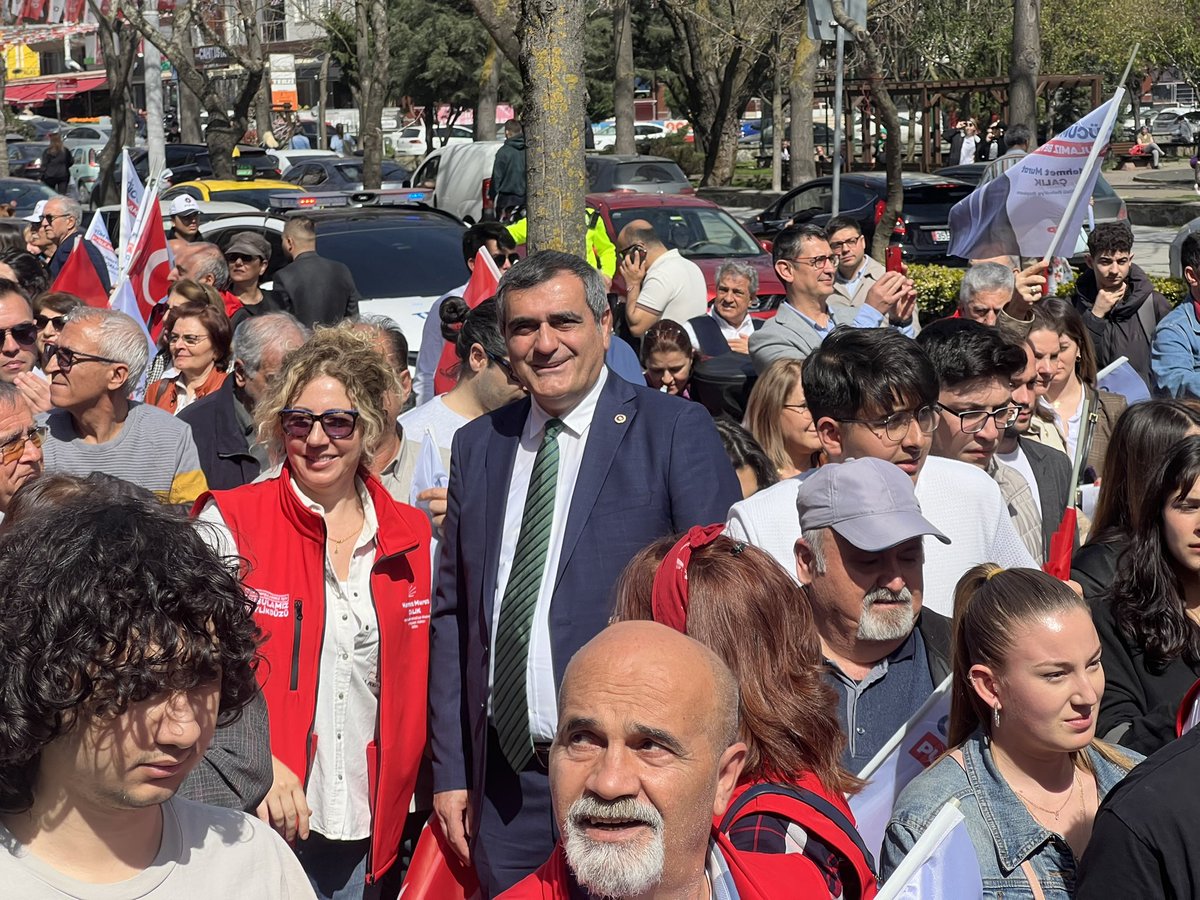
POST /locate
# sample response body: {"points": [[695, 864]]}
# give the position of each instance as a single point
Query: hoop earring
{"points": [[996, 716]]}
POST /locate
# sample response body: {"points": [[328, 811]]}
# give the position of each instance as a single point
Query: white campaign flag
{"points": [[97, 234], [123, 299], [911, 750], [942, 864], [1119, 377], [1020, 212], [133, 195]]}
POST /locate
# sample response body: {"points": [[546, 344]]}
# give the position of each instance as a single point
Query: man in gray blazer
{"points": [[806, 264]]}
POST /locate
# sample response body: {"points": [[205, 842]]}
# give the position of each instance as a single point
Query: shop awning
{"points": [[34, 93]]}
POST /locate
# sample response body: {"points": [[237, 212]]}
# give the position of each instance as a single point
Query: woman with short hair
{"points": [[198, 338]]}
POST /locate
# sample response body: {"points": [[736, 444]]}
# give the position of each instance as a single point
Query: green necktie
{"points": [[510, 707]]}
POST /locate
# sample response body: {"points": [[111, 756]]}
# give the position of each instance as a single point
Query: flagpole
{"points": [[1100, 143], [124, 211]]}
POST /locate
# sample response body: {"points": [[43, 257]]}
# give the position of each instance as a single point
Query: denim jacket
{"points": [[1004, 833], [1175, 353]]}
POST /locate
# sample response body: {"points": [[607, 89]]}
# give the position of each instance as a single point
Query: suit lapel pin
{"points": [[620, 418]]}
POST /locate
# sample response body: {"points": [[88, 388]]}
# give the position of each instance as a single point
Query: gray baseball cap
{"points": [[869, 502]]}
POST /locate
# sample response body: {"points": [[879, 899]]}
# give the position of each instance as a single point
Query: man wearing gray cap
{"points": [[859, 559]]}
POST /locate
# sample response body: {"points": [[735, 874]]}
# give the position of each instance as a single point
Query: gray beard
{"points": [[891, 624]]}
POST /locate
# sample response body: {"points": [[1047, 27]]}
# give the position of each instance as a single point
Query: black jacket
{"points": [[56, 167], [508, 169], [1095, 566], [317, 290], [225, 456], [1052, 469], [935, 631], [1127, 330]]}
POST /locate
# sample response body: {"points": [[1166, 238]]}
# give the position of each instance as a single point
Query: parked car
{"points": [[190, 161], [605, 135], [1168, 127], [923, 231], [256, 192], [410, 141], [85, 169], [752, 138], [337, 174], [701, 231], [208, 209], [86, 134], [456, 178], [25, 158], [637, 174], [285, 159], [402, 258], [25, 193], [1107, 206], [42, 126]]}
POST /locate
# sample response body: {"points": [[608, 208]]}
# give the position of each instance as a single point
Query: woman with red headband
{"points": [[736, 600]]}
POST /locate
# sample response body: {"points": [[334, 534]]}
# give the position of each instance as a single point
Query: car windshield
{"points": [[259, 198], [649, 173], [431, 254], [353, 171], [24, 195], [695, 231]]}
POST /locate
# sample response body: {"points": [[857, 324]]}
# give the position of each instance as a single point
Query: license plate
{"points": [[941, 237]]}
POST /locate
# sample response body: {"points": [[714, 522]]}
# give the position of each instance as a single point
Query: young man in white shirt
{"points": [[127, 640]]}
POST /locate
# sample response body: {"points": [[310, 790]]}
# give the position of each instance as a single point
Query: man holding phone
{"points": [[659, 283]]}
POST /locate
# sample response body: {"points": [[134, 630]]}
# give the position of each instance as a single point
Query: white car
{"points": [[605, 134], [458, 176], [410, 141], [287, 158]]}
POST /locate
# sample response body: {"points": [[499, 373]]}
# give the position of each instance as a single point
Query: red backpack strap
{"points": [[811, 811]]}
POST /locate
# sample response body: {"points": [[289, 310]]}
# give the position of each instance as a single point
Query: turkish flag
{"points": [[78, 276], [150, 262], [1062, 543], [484, 279]]}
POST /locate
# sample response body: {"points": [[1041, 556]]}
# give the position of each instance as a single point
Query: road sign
{"points": [[821, 26]]}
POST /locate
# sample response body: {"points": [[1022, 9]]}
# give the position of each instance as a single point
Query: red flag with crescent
{"points": [[150, 262], [484, 279]]}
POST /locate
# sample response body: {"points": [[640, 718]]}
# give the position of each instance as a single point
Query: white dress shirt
{"points": [[338, 791], [572, 441]]}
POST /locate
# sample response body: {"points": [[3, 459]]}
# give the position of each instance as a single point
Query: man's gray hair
{"points": [[546, 265], [988, 276], [391, 329], [741, 270], [210, 261], [118, 337], [816, 546], [255, 335], [71, 208], [10, 396]]}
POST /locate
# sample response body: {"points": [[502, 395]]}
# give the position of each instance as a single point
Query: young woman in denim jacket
{"points": [[1026, 768]]}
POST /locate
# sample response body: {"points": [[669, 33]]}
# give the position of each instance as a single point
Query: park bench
{"points": [[1119, 153]]}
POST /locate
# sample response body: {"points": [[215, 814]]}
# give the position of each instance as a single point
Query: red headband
{"points": [[669, 597]]}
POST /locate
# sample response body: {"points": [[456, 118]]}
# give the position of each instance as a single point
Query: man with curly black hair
{"points": [[125, 641]]}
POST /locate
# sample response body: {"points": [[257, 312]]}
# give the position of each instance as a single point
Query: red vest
{"points": [[816, 823], [283, 544], [756, 876]]}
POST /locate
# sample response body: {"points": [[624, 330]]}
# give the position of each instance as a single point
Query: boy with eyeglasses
{"points": [[977, 368], [806, 264], [873, 392]]}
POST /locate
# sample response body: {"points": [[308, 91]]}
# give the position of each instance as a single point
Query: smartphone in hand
{"points": [[894, 258]]}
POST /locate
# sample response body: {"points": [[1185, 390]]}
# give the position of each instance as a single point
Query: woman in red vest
{"points": [[737, 601], [341, 576]]}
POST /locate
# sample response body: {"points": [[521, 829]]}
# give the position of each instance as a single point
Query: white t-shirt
{"points": [[674, 287], [206, 851], [958, 499], [433, 416]]}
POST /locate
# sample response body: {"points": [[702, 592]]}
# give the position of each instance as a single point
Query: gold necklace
{"points": [[1053, 812]]}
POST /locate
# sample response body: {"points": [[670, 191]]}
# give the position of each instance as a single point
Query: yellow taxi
{"points": [[256, 192]]}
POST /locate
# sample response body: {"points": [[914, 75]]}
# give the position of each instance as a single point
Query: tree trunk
{"points": [[777, 117], [489, 94], [323, 88], [189, 101], [372, 26], [1026, 60], [498, 18], [804, 75], [262, 109], [886, 110], [119, 56], [551, 56], [626, 142]]}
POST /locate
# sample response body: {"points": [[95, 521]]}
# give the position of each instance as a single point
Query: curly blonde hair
{"points": [[348, 356]]}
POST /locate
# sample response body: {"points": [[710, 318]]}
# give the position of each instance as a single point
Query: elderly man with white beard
{"points": [[859, 558], [646, 755]]}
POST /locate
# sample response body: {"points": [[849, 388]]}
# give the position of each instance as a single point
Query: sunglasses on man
{"points": [[25, 334]]}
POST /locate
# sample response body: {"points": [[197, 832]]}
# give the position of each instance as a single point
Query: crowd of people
{"points": [[547, 621]]}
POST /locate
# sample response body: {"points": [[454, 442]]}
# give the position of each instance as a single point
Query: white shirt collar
{"points": [[577, 419], [370, 521], [744, 330]]}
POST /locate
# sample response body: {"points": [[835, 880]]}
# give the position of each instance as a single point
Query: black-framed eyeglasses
{"points": [[503, 364], [49, 219], [501, 258], [338, 424], [67, 358], [240, 258], [973, 421], [817, 262], [842, 245], [896, 425], [11, 450], [795, 406], [55, 322], [24, 333]]}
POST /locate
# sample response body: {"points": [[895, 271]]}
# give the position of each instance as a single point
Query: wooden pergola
{"points": [[932, 96]]}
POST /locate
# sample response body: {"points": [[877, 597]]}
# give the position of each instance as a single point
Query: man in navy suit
{"points": [[549, 498]]}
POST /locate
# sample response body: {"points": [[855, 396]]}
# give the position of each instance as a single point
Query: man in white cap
{"points": [[185, 218], [41, 241], [859, 558]]}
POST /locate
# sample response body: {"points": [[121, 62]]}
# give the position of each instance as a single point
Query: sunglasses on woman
{"points": [[55, 322], [338, 424]]}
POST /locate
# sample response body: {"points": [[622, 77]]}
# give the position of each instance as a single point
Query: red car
{"points": [[701, 231]]}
